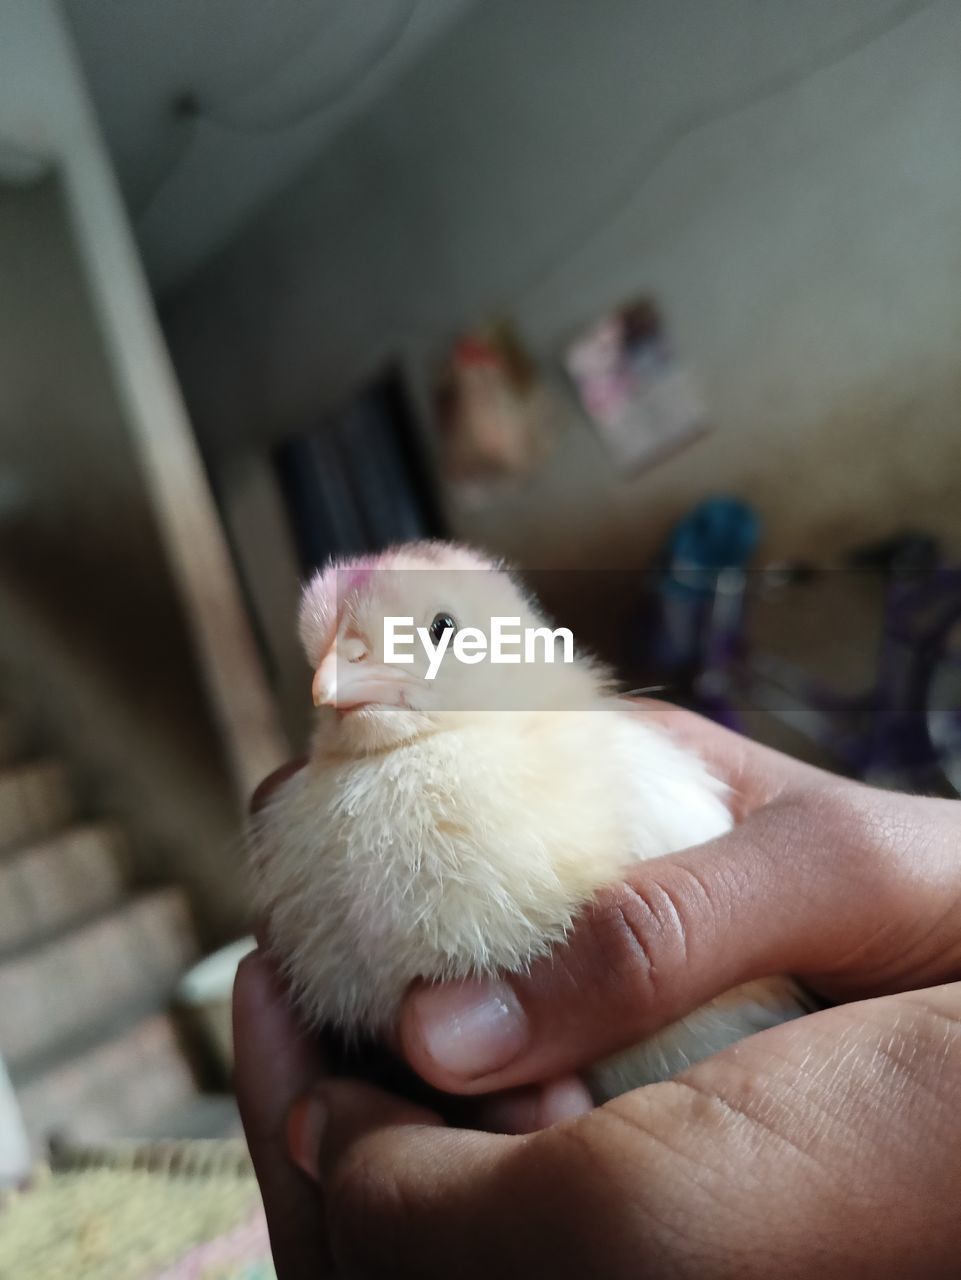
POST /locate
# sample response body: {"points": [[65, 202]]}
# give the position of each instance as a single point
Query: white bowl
{"points": [[206, 991]]}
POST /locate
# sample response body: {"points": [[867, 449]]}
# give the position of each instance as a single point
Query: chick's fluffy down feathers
{"points": [[470, 850]]}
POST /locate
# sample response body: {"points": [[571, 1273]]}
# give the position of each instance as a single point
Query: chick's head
{"points": [[381, 683]]}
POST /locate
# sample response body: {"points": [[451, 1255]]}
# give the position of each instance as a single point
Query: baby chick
{"points": [[454, 815]]}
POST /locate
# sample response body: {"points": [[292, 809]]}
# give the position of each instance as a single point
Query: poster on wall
{"points": [[643, 402]]}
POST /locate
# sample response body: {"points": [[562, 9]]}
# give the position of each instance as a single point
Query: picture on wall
{"points": [[643, 402]]}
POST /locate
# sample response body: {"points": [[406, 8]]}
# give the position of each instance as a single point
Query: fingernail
{"points": [[306, 1122], [565, 1100], [471, 1028]]}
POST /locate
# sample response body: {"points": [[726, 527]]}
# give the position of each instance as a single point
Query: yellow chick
{"points": [[472, 783]]}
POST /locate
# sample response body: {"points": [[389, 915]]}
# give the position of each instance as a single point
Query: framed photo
{"points": [[643, 402]]}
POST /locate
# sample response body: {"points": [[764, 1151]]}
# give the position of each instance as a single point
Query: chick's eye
{"points": [[443, 622]]}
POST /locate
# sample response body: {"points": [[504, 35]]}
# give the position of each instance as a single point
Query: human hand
{"points": [[853, 890], [745, 1164]]}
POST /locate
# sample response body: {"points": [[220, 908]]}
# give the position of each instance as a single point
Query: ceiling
{"points": [[210, 107]]}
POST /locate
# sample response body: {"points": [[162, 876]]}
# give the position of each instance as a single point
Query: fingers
{"points": [[756, 774], [531, 1109], [339, 1114], [842, 1138], [405, 1196], [805, 885], [677, 932], [273, 780], [275, 1065], [828, 1146]]}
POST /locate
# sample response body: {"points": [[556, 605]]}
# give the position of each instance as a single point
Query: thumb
{"points": [[782, 893]]}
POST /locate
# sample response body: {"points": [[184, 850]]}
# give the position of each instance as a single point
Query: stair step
{"points": [[123, 1087], [54, 991], [60, 881], [35, 801]]}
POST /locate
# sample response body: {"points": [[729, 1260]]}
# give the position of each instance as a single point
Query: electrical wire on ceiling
{"points": [[187, 121], [191, 112], [389, 39]]}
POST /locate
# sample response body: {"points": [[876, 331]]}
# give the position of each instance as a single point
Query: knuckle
{"points": [[642, 931]]}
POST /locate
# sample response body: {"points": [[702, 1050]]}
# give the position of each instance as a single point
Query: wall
{"points": [[784, 177], [92, 638], [45, 111], [120, 611]]}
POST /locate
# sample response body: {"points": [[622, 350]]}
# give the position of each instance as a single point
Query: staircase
{"points": [[88, 963]]}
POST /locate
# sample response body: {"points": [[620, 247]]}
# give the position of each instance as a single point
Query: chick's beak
{"points": [[346, 679], [324, 685]]}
